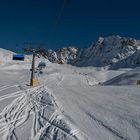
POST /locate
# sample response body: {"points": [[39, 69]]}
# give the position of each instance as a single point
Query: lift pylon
{"points": [[36, 53]]}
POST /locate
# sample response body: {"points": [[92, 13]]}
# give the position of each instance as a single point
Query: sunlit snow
{"points": [[69, 103]]}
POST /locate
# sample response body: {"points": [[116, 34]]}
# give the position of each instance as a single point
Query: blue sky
{"points": [[62, 23]]}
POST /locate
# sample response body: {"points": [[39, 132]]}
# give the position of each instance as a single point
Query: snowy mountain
{"points": [[112, 51], [64, 55]]}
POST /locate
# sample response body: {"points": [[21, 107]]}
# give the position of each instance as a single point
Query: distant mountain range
{"points": [[113, 52]]}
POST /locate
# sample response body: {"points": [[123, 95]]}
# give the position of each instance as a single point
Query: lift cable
{"points": [[58, 18]]}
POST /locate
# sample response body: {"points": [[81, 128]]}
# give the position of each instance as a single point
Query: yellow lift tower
{"points": [[36, 53]]}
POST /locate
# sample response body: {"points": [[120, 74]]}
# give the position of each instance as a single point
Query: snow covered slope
{"points": [[127, 78], [68, 104], [5, 56]]}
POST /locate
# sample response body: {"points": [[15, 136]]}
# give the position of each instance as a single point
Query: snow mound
{"points": [[128, 78], [5, 55]]}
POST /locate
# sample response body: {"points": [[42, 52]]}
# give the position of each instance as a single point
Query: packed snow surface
{"points": [[69, 103]]}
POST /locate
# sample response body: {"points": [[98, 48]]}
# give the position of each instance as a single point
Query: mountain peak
{"points": [[106, 51]]}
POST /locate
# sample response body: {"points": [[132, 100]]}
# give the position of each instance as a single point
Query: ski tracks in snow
{"points": [[48, 121]]}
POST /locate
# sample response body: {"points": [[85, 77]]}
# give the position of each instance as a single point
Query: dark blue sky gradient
{"points": [[61, 23]]}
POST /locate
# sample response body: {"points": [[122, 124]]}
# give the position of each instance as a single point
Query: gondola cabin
{"points": [[42, 65], [19, 57]]}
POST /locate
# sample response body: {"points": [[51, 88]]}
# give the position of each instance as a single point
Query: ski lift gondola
{"points": [[19, 57], [42, 65]]}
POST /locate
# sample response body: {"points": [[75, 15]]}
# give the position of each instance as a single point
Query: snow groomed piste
{"points": [[38, 108], [69, 105]]}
